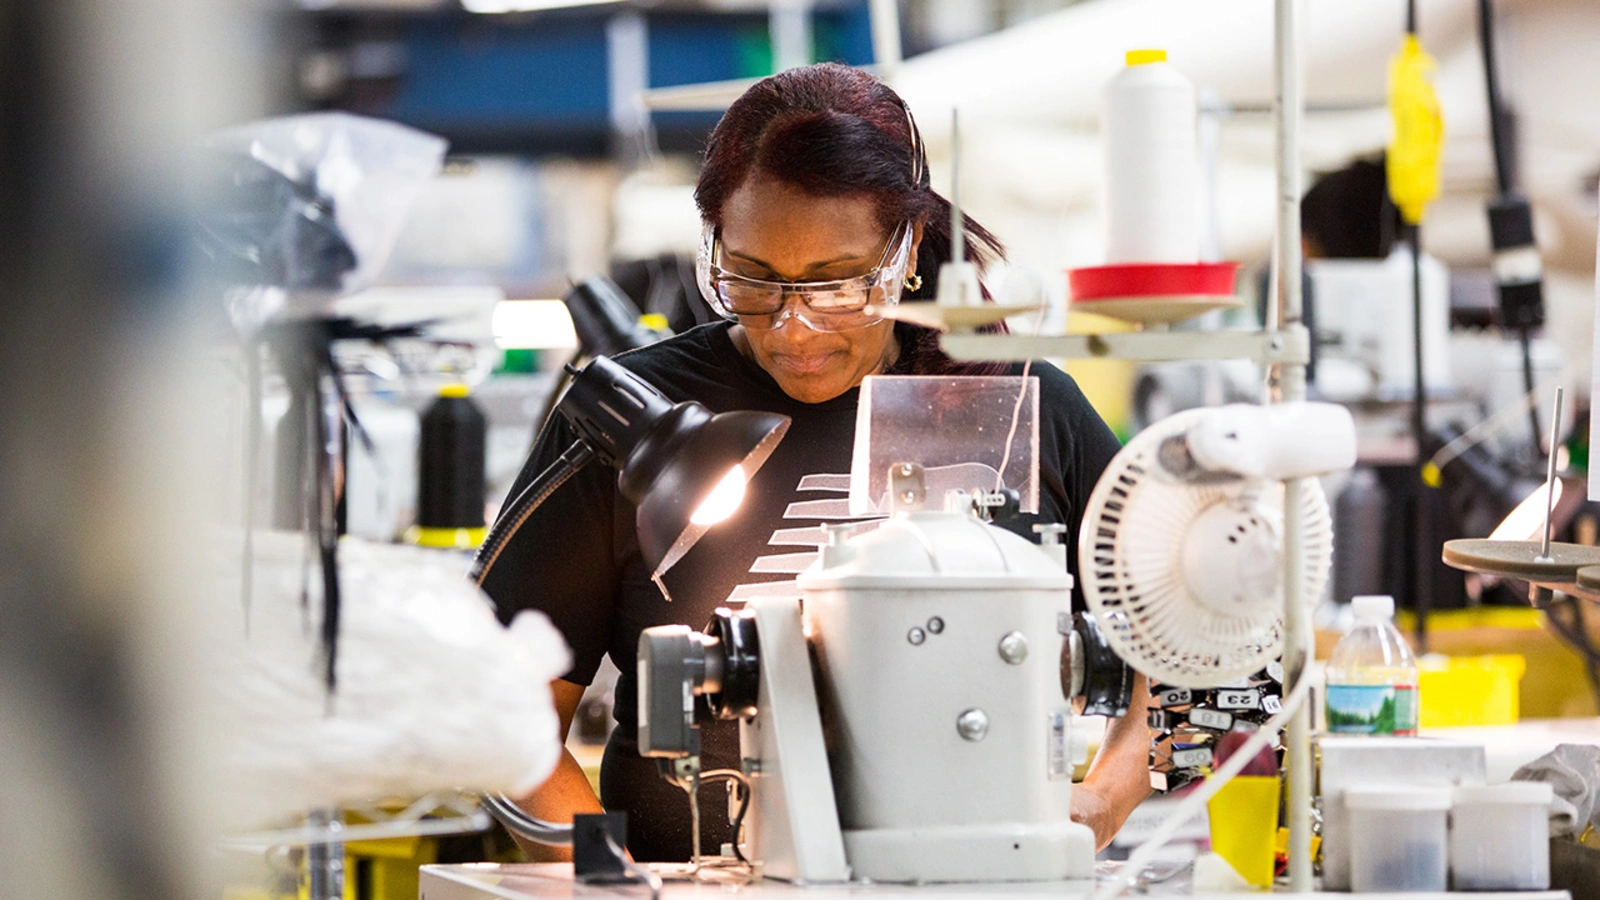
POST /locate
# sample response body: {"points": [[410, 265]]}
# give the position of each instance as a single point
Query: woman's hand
{"points": [[1119, 777], [1091, 807]]}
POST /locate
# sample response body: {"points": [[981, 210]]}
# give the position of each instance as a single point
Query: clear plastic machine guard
{"points": [[966, 432]]}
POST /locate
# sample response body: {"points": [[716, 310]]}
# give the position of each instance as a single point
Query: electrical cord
{"points": [[1505, 173], [1422, 521], [742, 782], [1219, 778], [1498, 139], [1528, 386], [1016, 410], [1497, 422]]}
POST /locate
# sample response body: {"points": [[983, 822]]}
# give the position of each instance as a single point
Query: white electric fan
{"points": [[1181, 547]]}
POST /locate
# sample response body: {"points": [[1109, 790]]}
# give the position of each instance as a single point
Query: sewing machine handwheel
{"points": [[741, 664], [1107, 680]]}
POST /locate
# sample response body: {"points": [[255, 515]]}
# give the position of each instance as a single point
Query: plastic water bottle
{"points": [[1152, 174], [1372, 675]]}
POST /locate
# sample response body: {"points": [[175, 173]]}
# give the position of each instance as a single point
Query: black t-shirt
{"points": [[576, 558]]}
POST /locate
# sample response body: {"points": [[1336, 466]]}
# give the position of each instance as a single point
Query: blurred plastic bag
{"points": [[434, 693], [303, 209]]}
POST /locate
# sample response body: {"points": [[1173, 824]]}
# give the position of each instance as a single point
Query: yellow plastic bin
{"points": [[1459, 691]]}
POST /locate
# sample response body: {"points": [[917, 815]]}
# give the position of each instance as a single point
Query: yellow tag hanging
{"points": [[1418, 130]]}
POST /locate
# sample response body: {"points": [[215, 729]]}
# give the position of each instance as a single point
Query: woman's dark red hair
{"points": [[831, 130]]}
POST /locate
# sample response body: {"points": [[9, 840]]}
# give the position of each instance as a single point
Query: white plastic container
{"points": [[1500, 837], [1398, 839], [1372, 675], [1152, 174]]}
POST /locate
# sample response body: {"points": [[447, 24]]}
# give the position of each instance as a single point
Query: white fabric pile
{"points": [[433, 692]]}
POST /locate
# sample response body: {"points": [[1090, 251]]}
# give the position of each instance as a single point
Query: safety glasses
{"points": [[843, 305]]}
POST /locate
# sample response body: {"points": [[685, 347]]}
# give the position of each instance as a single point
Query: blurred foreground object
{"points": [[434, 693], [307, 209], [103, 701]]}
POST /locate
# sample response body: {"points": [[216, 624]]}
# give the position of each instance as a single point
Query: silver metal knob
{"points": [[973, 725], [1014, 648]]}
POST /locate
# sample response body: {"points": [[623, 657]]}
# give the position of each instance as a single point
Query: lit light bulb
{"points": [[1526, 522], [723, 499]]}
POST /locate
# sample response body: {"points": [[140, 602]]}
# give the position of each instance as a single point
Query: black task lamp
{"points": [[681, 466], [605, 320]]}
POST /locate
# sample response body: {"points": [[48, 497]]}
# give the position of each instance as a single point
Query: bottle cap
{"points": [[1143, 57], [454, 390], [1372, 608]]}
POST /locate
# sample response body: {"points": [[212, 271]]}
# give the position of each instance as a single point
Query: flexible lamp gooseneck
{"points": [[683, 467]]}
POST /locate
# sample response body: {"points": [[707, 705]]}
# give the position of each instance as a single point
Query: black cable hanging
{"points": [[1517, 268], [1422, 497], [304, 353]]}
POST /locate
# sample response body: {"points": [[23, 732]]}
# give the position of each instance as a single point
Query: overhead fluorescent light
{"points": [[516, 6], [533, 325]]}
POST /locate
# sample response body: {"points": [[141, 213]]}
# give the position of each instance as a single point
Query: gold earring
{"points": [[913, 282]]}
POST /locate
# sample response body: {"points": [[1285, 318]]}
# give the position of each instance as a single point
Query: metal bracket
{"points": [[908, 492], [1289, 345]]}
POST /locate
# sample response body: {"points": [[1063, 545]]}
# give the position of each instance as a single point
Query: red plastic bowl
{"points": [[1152, 280]]}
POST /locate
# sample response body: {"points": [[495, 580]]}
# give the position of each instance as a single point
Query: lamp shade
{"points": [[683, 467]]}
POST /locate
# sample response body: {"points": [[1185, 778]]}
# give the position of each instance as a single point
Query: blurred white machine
{"points": [[1364, 326]]}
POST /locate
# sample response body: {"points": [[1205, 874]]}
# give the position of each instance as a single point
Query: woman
{"points": [[815, 196]]}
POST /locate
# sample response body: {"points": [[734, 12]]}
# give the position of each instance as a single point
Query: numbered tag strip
{"points": [[1186, 723], [1210, 718], [1248, 698]]}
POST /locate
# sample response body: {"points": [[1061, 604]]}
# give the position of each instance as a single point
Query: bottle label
{"points": [[1372, 708]]}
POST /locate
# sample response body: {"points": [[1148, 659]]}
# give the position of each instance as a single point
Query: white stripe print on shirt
{"points": [[828, 511]]}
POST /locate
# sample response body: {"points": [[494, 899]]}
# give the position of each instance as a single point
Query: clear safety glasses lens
{"points": [[822, 305]]}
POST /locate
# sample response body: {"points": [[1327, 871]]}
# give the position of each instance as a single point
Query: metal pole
{"points": [[886, 55], [325, 861], [1288, 109], [1550, 479], [789, 23]]}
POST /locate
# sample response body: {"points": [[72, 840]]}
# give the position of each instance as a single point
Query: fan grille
{"points": [[1131, 550]]}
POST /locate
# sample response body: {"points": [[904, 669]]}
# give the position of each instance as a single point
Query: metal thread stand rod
{"points": [[1287, 111], [958, 231], [1550, 478]]}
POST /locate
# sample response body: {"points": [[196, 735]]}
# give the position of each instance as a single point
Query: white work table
{"points": [[1510, 747], [553, 881]]}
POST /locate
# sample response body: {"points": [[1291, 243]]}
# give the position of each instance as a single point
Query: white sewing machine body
{"points": [[907, 720], [938, 642]]}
